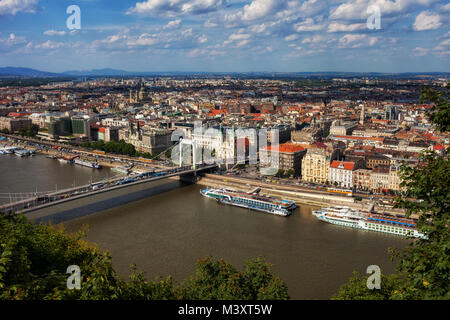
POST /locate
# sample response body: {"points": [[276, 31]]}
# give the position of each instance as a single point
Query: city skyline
{"points": [[226, 36]]}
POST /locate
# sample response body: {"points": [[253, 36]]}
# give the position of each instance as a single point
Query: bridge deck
{"points": [[62, 196]]}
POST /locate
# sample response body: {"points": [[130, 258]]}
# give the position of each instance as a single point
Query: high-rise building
{"points": [[391, 113]]}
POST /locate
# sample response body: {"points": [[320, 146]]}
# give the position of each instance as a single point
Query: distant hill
{"points": [[100, 72], [26, 73], [108, 72]]}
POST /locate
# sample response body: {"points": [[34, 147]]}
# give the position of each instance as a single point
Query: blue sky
{"points": [[227, 35]]}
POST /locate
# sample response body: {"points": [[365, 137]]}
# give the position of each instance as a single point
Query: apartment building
{"points": [[316, 164]]}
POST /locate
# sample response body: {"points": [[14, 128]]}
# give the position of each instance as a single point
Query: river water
{"points": [[166, 232]]}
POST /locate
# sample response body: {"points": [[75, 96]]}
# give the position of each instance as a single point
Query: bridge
{"points": [[37, 201]]}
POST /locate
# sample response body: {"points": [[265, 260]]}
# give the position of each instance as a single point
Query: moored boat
{"points": [[378, 222], [93, 165], [251, 201]]}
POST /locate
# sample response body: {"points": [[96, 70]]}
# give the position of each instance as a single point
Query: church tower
{"points": [[363, 115]]}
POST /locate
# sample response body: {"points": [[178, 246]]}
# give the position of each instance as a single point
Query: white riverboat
{"points": [[345, 216], [251, 201]]}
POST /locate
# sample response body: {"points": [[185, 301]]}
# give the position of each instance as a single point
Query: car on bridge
{"points": [[126, 181]]}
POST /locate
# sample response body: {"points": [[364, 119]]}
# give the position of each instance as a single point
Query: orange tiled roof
{"points": [[347, 165], [286, 147]]}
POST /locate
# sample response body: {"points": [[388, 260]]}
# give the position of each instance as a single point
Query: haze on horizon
{"points": [[226, 35]]}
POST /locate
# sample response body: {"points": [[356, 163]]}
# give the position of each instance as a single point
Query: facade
{"points": [[14, 124], [81, 127], [60, 127], [374, 161], [218, 144], [289, 157], [316, 164], [341, 173], [394, 178], [284, 133], [380, 178], [362, 179], [307, 135], [155, 141], [342, 129]]}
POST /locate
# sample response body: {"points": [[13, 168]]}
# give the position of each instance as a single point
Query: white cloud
{"points": [[257, 9], [291, 37], [210, 24], [202, 39], [419, 52], [308, 25], [261, 8], [54, 33], [187, 33], [144, 39], [15, 6], [258, 28], [357, 9], [315, 39], [173, 24], [340, 27], [173, 8], [352, 40], [49, 45], [427, 20], [238, 39]]}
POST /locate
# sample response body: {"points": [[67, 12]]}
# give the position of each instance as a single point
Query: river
{"points": [[166, 232]]}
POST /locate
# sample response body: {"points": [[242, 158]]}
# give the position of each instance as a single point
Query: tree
{"points": [[280, 173], [34, 260], [423, 269], [220, 280]]}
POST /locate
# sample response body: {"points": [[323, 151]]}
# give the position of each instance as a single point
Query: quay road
{"points": [[72, 150], [54, 198]]}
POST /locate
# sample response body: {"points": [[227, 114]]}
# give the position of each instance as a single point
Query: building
{"points": [[306, 136], [373, 161], [81, 127], [342, 129], [146, 139], [14, 124], [394, 178], [221, 144], [155, 141], [60, 127], [342, 173], [284, 133], [390, 113], [316, 164], [362, 179], [141, 95], [380, 177], [289, 157]]}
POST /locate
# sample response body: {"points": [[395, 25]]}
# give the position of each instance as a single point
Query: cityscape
{"points": [[201, 160]]}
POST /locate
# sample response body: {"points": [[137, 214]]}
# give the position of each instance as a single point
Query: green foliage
{"points": [[356, 289], [34, 260], [423, 269], [280, 173], [219, 280], [30, 132], [440, 111], [112, 147]]}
